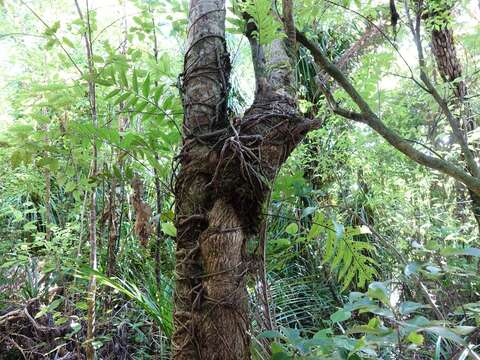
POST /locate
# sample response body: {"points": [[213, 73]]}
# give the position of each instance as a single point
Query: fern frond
{"points": [[261, 14], [347, 257]]}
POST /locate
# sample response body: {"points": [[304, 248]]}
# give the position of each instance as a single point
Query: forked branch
{"points": [[367, 116]]}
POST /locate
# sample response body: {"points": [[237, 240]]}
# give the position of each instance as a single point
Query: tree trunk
{"points": [[112, 228], [226, 166], [450, 70], [92, 283], [114, 225]]}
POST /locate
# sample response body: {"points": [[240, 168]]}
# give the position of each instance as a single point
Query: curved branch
{"points": [[459, 135], [289, 25], [368, 117]]}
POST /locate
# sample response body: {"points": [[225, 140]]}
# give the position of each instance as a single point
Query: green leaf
{"points": [[97, 59], [97, 344], [378, 290], [324, 333], [50, 163], [450, 251], [169, 229], [434, 270], [340, 315], [463, 330], [281, 242], [51, 30], [133, 100], [103, 82], [291, 334], [112, 94], [415, 338], [266, 24], [308, 211], [146, 86], [339, 230], [158, 94], [446, 333], [141, 106], [82, 305], [408, 307], [122, 98], [70, 186], [291, 229], [76, 327], [67, 42], [411, 268], [318, 226], [135, 81], [111, 71], [52, 306], [123, 76], [279, 353]]}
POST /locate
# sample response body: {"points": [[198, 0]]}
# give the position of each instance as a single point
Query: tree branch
{"points": [[289, 25], [458, 134], [54, 36], [368, 117]]}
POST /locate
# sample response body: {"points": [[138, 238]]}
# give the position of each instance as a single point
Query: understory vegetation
{"points": [[364, 244]]}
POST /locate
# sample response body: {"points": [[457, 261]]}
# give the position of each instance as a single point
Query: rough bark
{"points": [[143, 212], [158, 190], [226, 167], [289, 26], [450, 69], [448, 64], [205, 77]]}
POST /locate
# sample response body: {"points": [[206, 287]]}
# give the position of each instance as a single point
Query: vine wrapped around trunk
{"points": [[226, 167]]}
